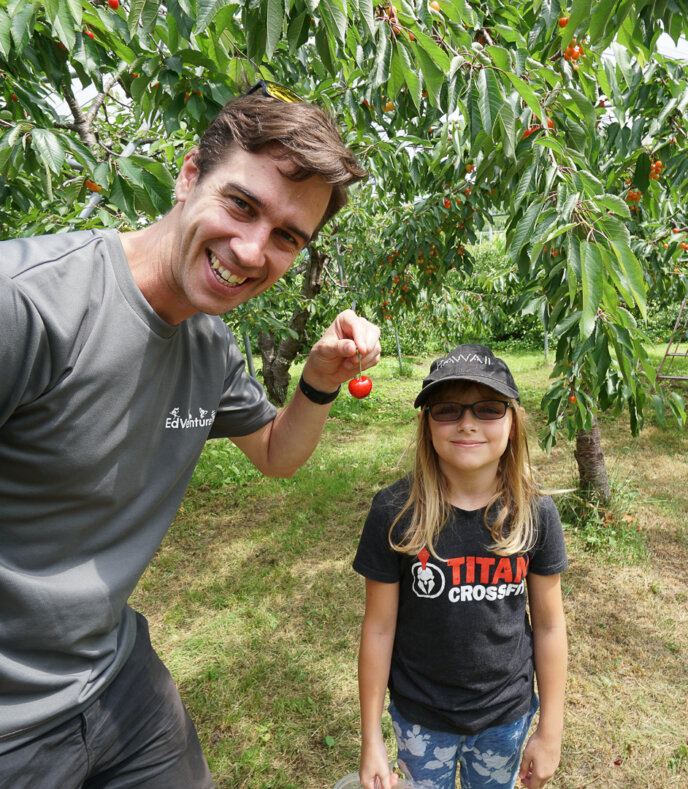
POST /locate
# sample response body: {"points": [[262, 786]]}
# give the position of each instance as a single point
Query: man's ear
{"points": [[188, 176]]}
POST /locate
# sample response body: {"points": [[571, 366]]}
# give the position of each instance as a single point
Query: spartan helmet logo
{"points": [[428, 579]]}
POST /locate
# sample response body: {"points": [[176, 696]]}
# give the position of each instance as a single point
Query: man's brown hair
{"points": [[298, 132]]}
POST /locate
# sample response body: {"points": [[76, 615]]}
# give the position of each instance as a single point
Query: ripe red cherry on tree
{"points": [[563, 21], [114, 4], [572, 398]]}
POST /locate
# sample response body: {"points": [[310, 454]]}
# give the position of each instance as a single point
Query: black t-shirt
{"points": [[463, 650]]}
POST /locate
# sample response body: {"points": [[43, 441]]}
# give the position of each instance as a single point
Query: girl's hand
{"points": [[540, 759], [374, 772]]}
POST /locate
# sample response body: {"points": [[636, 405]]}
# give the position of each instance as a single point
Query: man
{"points": [[113, 376]]}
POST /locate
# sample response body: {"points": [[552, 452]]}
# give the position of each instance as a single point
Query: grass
{"points": [[255, 609]]}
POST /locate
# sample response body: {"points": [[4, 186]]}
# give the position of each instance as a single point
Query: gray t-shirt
{"points": [[104, 410]]}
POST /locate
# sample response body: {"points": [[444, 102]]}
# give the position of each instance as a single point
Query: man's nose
{"points": [[249, 248]]}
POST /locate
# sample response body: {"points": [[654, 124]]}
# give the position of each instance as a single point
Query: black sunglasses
{"points": [[274, 90], [485, 410]]}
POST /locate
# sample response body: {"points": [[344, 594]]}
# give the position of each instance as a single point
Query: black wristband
{"points": [[316, 396]]}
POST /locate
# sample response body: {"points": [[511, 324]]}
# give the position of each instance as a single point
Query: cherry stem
{"points": [[360, 370]]}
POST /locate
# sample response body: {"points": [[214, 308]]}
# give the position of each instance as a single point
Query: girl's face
{"points": [[471, 445]]}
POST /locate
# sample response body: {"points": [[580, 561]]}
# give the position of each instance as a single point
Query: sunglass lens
{"points": [[490, 409], [282, 93], [445, 412]]}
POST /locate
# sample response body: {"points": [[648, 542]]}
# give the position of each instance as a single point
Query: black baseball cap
{"points": [[469, 362]]}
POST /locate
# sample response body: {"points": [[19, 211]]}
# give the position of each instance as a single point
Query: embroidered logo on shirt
{"points": [[175, 421]]}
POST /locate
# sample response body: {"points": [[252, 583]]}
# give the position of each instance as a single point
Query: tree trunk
{"points": [[278, 355], [592, 469]]}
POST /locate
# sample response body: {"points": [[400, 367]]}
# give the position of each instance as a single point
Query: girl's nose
{"points": [[467, 419]]}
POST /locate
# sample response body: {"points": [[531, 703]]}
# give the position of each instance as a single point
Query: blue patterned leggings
{"points": [[489, 760]]}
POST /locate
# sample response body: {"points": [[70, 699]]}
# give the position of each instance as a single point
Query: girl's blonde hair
{"points": [[509, 515]]}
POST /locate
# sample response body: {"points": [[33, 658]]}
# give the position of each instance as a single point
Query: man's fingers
{"points": [[364, 334]]}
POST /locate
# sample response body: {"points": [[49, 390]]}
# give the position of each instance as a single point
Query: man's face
{"points": [[240, 228]]}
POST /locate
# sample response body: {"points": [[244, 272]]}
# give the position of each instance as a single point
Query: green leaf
{"points": [[47, 183], [134, 15], [599, 19], [5, 37], [484, 100], [433, 76], [322, 44], [382, 60], [122, 197], [274, 22], [20, 28], [592, 277], [585, 107], [49, 149], [396, 72], [365, 8], [574, 266], [632, 271], [130, 171], [526, 93], [206, 10], [508, 120], [154, 167], [297, 32], [158, 193], [413, 81], [500, 57], [641, 177], [524, 229], [60, 16], [334, 14], [612, 203], [523, 187], [76, 10], [439, 57]]}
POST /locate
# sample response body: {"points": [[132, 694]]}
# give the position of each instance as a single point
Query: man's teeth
{"points": [[226, 276]]}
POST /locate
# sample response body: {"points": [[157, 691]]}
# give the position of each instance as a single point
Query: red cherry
{"points": [[114, 4], [447, 203], [360, 387], [14, 97], [563, 21], [572, 398], [89, 34]]}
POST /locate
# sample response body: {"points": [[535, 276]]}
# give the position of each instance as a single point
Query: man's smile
{"points": [[225, 276]]}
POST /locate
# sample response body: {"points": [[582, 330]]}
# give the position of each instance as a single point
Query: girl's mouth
{"points": [[224, 276]]}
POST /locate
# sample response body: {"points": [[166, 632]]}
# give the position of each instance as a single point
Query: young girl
{"points": [[448, 554]]}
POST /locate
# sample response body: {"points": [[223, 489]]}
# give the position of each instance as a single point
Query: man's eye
{"points": [[286, 236]]}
